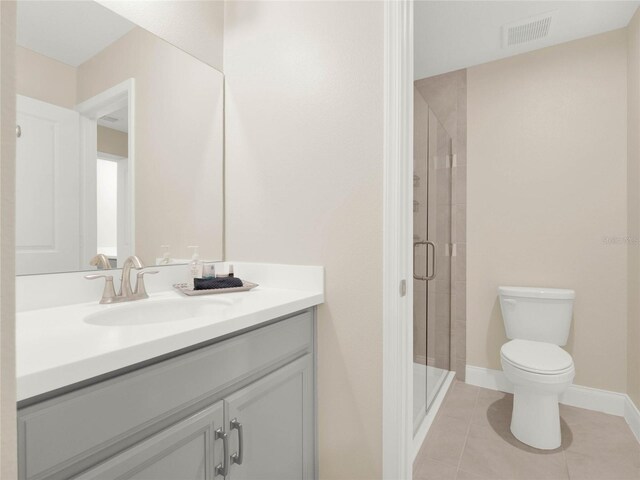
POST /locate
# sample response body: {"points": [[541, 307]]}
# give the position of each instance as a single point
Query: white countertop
{"points": [[57, 347]]}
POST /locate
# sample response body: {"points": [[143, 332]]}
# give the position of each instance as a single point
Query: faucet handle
{"points": [[140, 290], [109, 293]]}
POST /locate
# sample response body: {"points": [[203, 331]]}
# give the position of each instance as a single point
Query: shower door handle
{"points": [[433, 271], [434, 262], [416, 245]]}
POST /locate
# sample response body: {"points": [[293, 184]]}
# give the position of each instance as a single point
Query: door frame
{"points": [[114, 98], [8, 430], [397, 410]]}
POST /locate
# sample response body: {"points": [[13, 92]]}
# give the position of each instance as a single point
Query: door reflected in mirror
{"points": [[121, 144], [112, 192]]}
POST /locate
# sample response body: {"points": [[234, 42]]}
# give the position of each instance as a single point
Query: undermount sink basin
{"points": [[146, 312]]}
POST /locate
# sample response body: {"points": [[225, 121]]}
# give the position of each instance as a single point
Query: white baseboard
{"points": [[632, 416], [421, 434], [613, 403], [604, 401], [487, 378]]}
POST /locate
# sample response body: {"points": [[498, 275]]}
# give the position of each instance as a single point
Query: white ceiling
{"points": [[450, 35], [118, 120], [69, 31]]}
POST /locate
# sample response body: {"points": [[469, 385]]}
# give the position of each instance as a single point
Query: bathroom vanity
{"points": [[241, 407], [224, 390], [167, 387]]}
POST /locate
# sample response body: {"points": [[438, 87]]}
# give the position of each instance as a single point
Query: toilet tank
{"points": [[539, 314]]}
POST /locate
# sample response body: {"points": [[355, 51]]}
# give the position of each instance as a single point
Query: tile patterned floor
{"points": [[470, 440]]}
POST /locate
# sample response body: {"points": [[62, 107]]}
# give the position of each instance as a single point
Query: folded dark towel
{"points": [[210, 283]]}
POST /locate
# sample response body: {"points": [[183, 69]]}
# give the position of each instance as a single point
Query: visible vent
{"points": [[107, 118], [527, 30]]}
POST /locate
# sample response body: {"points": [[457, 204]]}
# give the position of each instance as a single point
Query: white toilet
{"points": [[537, 321]]}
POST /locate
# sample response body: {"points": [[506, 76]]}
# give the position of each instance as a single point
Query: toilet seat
{"points": [[536, 357]]}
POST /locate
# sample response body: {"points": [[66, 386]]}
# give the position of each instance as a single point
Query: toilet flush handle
{"points": [[509, 301]]}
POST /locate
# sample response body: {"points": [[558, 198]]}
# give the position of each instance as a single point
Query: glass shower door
{"points": [[439, 214], [432, 256]]}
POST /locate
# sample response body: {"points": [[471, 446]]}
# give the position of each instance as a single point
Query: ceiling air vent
{"points": [[527, 30]]}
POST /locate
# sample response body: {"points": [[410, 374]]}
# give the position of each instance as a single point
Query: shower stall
{"points": [[432, 254]]}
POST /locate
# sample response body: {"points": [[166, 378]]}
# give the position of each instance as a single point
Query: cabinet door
{"points": [[271, 426], [187, 450]]}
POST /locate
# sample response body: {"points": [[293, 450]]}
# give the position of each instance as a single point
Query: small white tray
{"points": [[187, 290]]}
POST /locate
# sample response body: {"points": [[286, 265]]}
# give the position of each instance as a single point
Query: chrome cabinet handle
{"points": [[223, 468], [434, 271], [18, 131], [237, 457]]}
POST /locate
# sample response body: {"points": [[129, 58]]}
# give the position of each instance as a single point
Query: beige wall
{"points": [[546, 183], [178, 142], [112, 141], [304, 144], [44, 78], [197, 27], [8, 447], [633, 195]]}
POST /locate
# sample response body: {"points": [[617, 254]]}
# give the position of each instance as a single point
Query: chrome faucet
{"points": [[101, 261], [125, 280], [126, 294]]}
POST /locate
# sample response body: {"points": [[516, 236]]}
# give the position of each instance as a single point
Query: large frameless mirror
{"points": [[120, 143]]}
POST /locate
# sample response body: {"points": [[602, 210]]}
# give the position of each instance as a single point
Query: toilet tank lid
{"points": [[538, 292]]}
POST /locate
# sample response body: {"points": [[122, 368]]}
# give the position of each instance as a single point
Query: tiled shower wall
{"points": [[446, 96]]}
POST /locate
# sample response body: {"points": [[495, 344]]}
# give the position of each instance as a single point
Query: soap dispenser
{"points": [[195, 266], [166, 256]]}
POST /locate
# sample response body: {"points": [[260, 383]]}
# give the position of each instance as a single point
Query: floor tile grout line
{"points": [[564, 453], [466, 437], [422, 458], [566, 464]]}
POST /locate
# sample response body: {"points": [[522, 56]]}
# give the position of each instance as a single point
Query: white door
{"points": [[47, 188], [112, 207]]}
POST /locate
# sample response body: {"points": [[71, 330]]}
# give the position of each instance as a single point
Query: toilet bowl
{"points": [[539, 372], [537, 321]]}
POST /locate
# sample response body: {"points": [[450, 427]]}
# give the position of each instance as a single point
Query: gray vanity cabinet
{"points": [[269, 429], [271, 426], [158, 421], [185, 451]]}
